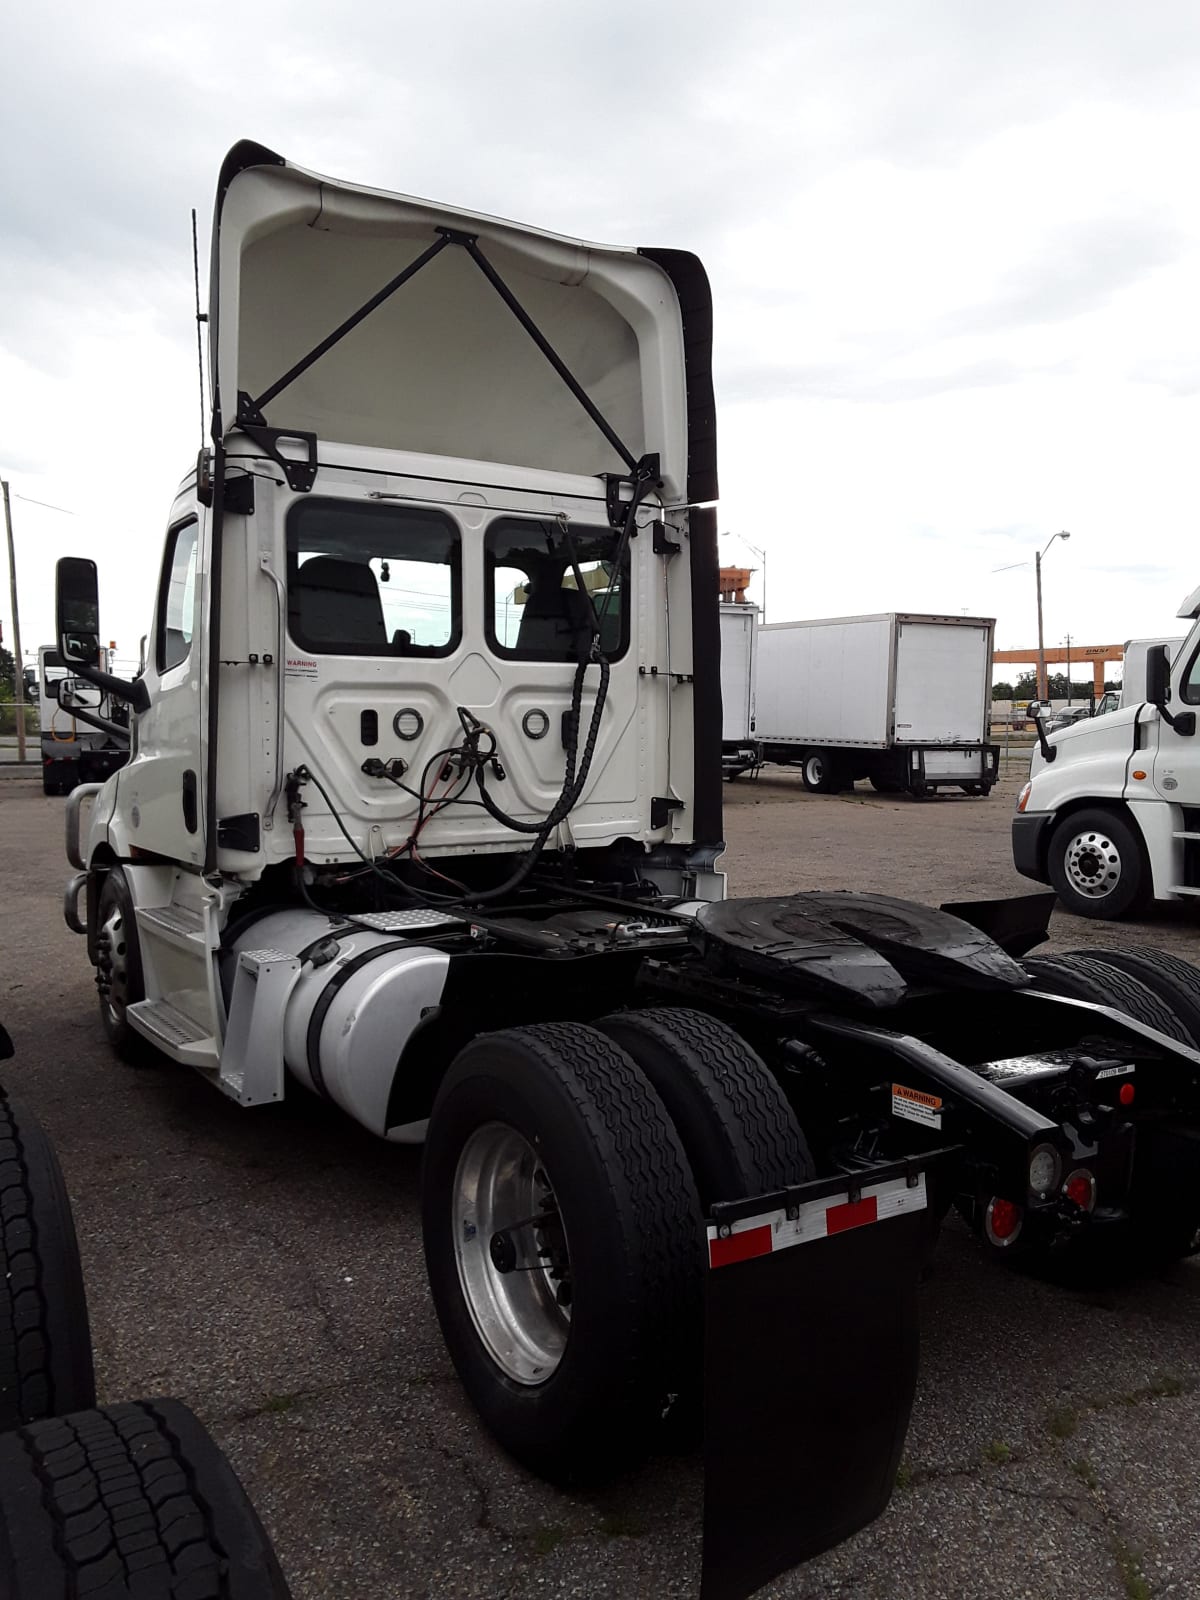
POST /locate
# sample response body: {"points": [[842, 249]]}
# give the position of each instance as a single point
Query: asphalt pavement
{"points": [[265, 1267]]}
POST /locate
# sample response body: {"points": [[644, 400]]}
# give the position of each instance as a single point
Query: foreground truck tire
{"points": [[1096, 864], [563, 1242], [45, 1344], [739, 1132], [129, 1500]]}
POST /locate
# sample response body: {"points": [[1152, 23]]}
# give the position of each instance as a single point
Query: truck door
{"points": [[164, 783], [1175, 770]]}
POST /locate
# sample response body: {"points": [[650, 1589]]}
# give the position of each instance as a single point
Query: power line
{"points": [[45, 504]]}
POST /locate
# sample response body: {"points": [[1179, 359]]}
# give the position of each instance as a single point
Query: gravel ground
{"points": [[266, 1268]]}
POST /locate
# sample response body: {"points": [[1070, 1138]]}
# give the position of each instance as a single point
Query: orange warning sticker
{"points": [[914, 1105]]}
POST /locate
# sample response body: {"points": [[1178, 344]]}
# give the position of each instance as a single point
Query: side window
{"points": [[176, 597], [535, 610], [1191, 684]]}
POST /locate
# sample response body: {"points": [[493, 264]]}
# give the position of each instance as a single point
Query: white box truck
{"points": [[899, 698], [741, 750]]}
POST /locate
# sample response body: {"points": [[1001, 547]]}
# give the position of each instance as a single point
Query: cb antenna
{"points": [[201, 316]]}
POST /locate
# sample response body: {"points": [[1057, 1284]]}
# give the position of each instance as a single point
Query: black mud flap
{"points": [[811, 1351]]}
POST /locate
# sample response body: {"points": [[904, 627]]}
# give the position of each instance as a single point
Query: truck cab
{"points": [[1111, 813]]}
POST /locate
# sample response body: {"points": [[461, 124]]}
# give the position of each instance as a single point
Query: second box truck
{"points": [[900, 698]]}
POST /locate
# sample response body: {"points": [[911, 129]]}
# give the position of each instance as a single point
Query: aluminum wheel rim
{"points": [[1093, 864], [113, 945], [522, 1315], [814, 770]]}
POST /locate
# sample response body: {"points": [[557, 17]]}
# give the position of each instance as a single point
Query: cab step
{"points": [[174, 1032], [181, 926]]}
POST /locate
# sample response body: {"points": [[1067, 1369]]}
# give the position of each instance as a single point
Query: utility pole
{"points": [[1068, 643], [19, 674]]}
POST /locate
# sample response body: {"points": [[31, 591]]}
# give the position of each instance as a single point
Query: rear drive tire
{"points": [[1096, 864], [1175, 982], [1081, 977], [131, 1500], [737, 1128], [119, 969], [887, 785], [45, 1344], [819, 772], [569, 1364]]}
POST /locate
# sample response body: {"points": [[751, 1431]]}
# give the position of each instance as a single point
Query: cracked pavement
{"points": [[265, 1267]]}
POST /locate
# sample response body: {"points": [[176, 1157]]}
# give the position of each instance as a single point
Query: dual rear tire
{"points": [[1162, 992], [566, 1173]]}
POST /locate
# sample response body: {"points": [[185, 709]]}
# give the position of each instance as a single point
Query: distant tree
{"points": [[1002, 691], [8, 675], [1025, 687]]}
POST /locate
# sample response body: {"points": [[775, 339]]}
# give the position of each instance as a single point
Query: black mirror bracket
{"points": [[1049, 751], [134, 690], [1183, 722]]}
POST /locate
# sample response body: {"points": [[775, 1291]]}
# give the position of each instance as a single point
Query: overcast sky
{"points": [[954, 248]]}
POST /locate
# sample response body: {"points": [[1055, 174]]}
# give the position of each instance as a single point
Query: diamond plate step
{"points": [[176, 925], [175, 1033]]}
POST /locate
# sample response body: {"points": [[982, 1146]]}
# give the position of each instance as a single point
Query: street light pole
{"points": [[762, 554], [19, 673], [1042, 684]]}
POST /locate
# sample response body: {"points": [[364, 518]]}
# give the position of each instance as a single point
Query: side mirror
{"points": [[1158, 675], [77, 618], [77, 610], [1158, 691]]}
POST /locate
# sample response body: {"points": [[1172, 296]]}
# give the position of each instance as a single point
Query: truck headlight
{"points": [[1023, 797]]}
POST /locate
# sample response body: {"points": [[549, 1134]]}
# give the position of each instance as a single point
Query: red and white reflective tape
{"points": [[815, 1219]]}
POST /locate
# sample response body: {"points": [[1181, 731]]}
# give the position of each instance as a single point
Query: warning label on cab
{"points": [[916, 1106], [300, 667]]}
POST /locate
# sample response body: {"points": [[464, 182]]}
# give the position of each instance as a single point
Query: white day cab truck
{"points": [[424, 814], [1111, 813], [902, 699], [84, 731]]}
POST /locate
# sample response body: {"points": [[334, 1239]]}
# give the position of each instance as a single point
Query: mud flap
{"points": [[811, 1351]]}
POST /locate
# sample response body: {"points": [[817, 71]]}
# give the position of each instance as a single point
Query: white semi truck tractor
{"points": [[1111, 813], [84, 732], [424, 814]]}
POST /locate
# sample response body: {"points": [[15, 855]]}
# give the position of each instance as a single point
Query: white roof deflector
{"points": [[369, 318]]}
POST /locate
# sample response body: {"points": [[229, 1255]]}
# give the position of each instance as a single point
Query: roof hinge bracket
{"points": [[661, 807], [643, 477], [300, 474]]}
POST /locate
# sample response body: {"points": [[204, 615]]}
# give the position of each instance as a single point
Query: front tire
{"points": [[1097, 866], [119, 968], [563, 1243]]}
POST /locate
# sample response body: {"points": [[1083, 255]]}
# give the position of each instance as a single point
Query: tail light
{"points": [[1002, 1221], [1080, 1188]]}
